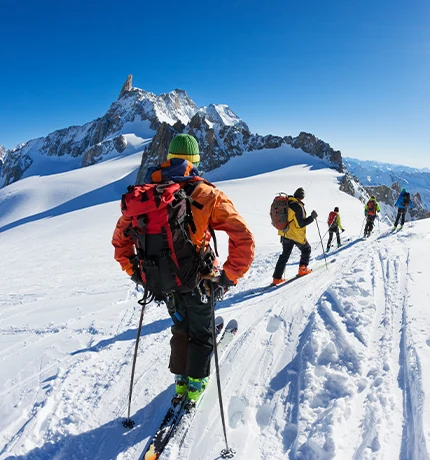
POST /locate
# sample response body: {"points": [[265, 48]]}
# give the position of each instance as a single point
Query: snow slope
{"points": [[334, 365]]}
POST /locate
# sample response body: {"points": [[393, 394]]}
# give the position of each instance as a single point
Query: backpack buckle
{"points": [[165, 253], [203, 297]]}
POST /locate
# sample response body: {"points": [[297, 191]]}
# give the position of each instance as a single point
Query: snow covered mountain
{"points": [[2, 155], [131, 123], [332, 366], [374, 173], [127, 126]]}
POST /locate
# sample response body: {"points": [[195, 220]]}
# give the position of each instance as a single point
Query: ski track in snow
{"points": [[331, 366]]}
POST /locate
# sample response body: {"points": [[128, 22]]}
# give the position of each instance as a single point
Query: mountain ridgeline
{"points": [[142, 121]]}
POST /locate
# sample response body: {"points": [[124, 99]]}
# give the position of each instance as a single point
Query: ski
{"points": [[284, 283], [178, 409], [185, 422], [336, 248], [219, 325], [165, 429]]}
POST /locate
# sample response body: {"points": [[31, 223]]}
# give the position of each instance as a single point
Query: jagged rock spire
{"points": [[127, 86]]}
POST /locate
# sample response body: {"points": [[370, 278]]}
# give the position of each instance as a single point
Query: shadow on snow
{"points": [[147, 329], [104, 442], [108, 193]]}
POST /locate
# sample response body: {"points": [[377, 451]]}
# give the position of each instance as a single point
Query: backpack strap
{"points": [[212, 232], [189, 188]]}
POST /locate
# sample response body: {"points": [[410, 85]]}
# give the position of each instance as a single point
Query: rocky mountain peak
{"points": [[137, 116], [221, 114], [314, 146], [127, 86]]}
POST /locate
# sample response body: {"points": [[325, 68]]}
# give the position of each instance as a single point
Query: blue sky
{"points": [[355, 74]]}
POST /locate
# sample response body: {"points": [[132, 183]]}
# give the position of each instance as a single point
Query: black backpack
{"points": [[406, 199]]}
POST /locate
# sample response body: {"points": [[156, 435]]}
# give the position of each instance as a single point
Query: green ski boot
{"points": [[196, 387]]}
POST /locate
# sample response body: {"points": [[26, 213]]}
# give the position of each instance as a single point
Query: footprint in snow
{"points": [[263, 415], [273, 324], [236, 412]]}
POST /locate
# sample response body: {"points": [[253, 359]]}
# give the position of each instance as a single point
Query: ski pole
{"points": [[322, 238], [363, 224], [228, 452], [325, 258], [128, 422]]}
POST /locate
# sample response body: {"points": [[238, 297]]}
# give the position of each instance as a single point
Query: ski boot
{"points": [[181, 387], [303, 270], [277, 281], [328, 249], [196, 387], [339, 245]]}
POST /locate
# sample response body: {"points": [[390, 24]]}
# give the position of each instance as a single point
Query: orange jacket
{"points": [[218, 212]]}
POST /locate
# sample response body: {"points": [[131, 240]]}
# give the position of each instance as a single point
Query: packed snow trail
{"points": [[334, 365], [326, 355]]}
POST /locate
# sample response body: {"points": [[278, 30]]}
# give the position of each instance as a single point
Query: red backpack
{"points": [[331, 218], [160, 228], [279, 212], [371, 208]]}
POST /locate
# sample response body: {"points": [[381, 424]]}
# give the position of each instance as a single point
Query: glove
{"points": [[314, 215], [220, 281], [343, 230], [136, 276], [225, 282], [222, 286], [365, 212]]}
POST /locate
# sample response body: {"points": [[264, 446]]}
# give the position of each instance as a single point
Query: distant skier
{"points": [[370, 210], [334, 225], [295, 235], [403, 203], [160, 258]]}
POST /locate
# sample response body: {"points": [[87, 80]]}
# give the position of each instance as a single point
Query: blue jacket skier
{"points": [[403, 203]]}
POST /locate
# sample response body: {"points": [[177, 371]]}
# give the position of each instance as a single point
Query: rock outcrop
{"points": [[127, 86], [314, 146], [2, 155], [218, 145]]}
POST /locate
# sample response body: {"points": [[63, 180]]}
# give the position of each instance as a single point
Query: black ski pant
{"points": [[287, 247], [331, 231], [369, 225], [191, 344], [401, 212]]}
